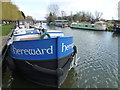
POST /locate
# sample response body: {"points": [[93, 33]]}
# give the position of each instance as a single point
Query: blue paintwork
{"points": [[42, 49], [65, 46]]}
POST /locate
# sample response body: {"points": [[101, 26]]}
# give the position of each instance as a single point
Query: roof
{"points": [[100, 22]]}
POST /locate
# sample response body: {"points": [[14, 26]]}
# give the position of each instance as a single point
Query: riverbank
{"points": [[6, 29], [4, 34]]}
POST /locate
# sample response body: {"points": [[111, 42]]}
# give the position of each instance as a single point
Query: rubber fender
{"points": [[44, 70], [75, 50], [57, 72]]}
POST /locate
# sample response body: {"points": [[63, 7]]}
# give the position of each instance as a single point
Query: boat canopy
{"points": [[100, 22]]}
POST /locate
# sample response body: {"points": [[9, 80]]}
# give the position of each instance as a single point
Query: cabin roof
{"points": [[100, 22]]}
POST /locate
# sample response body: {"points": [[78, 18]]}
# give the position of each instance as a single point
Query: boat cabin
{"points": [[100, 25], [35, 33], [26, 23]]}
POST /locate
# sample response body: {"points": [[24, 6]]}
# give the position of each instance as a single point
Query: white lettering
{"points": [[50, 50], [67, 47], [14, 49], [32, 51], [26, 52], [63, 47], [36, 51]]}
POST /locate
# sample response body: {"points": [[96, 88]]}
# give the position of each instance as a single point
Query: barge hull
{"points": [[26, 69], [87, 29]]}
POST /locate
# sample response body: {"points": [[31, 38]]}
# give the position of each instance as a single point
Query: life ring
{"points": [[45, 34]]}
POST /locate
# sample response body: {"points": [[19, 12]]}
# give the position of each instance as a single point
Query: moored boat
{"points": [[41, 56], [61, 23], [83, 26], [100, 25], [116, 28]]}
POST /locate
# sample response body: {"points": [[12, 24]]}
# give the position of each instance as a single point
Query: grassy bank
{"points": [[6, 29]]}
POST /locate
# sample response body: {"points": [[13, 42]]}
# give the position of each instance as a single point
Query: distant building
{"points": [[119, 10]]}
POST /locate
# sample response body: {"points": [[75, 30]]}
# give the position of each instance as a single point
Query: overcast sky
{"points": [[38, 8]]}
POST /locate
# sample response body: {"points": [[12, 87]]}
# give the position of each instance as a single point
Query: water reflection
{"points": [[116, 34], [12, 80], [68, 83]]}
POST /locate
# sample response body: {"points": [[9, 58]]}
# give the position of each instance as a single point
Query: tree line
{"points": [[81, 16], [10, 12]]}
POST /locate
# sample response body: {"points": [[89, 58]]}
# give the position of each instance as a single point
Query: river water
{"points": [[97, 63]]}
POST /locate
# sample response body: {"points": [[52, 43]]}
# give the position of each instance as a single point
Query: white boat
{"points": [[100, 25]]}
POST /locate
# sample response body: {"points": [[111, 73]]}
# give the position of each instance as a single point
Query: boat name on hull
{"points": [[39, 51]]}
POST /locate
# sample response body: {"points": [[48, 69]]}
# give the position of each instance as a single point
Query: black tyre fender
{"points": [[75, 50]]}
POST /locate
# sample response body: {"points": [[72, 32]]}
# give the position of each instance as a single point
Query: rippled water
{"points": [[97, 66]]}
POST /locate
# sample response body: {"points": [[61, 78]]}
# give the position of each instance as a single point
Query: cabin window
{"points": [[86, 25], [92, 26], [99, 24]]}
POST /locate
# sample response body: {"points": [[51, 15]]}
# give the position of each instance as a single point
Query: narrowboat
{"points": [[41, 56], [100, 26]]}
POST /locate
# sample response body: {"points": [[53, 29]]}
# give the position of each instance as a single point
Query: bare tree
{"points": [[98, 15], [71, 16], [63, 14], [81, 16], [89, 16], [53, 11]]}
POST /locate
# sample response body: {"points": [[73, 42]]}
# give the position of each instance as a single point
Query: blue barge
{"points": [[43, 57]]}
